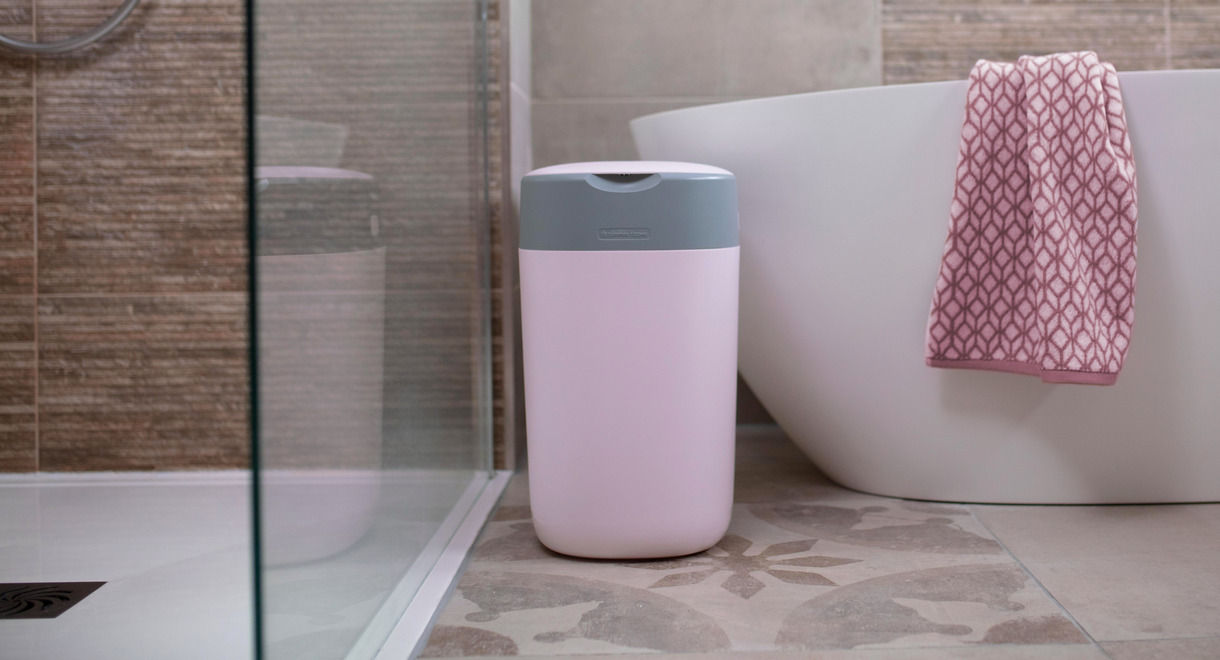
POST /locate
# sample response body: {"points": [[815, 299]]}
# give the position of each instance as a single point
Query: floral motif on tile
{"points": [[870, 611], [730, 555], [520, 544], [463, 641], [620, 615], [938, 534], [837, 570]]}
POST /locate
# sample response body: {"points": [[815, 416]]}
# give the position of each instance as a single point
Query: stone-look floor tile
{"points": [[925, 40], [18, 446], [1207, 648], [143, 382], [1124, 572], [840, 570], [1193, 29], [1023, 652]]}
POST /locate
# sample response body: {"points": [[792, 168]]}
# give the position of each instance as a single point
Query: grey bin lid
{"points": [[628, 205]]}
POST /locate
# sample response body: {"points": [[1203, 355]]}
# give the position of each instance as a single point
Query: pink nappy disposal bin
{"points": [[629, 328]]}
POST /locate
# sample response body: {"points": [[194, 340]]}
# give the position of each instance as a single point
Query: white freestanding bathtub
{"points": [[844, 201]]}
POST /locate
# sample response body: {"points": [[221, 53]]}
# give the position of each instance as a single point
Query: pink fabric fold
{"points": [[1038, 271]]}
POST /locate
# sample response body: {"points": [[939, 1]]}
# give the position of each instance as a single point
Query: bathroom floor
{"points": [[808, 566]]}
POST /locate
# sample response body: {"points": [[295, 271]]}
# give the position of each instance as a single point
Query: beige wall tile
{"points": [[1127, 572], [617, 48], [925, 40], [140, 150], [520, 48], [791, 46], [143, 382], [570, 131], [667, 48], [1194, 34], [18, 444]]}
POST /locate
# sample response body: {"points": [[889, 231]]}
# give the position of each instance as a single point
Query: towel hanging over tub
{"points": [[1038, 271]]}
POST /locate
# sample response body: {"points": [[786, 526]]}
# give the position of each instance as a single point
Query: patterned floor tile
{"points": [[1023, 652], [1124, 572], [816, 568]]}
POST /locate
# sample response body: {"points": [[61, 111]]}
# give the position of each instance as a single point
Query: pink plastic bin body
{"points": [[630, 390]]}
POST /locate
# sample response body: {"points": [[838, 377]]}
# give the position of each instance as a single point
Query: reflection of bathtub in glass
{"points": [[844, 200], [321, 293]]}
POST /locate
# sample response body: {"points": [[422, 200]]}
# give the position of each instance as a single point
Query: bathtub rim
{"points": [[874, 89]]}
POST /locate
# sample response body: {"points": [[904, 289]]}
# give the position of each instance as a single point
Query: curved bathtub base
{"points": [[844, 206]]}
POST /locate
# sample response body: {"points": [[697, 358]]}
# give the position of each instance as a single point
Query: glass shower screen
{"points": [[369, 240]]}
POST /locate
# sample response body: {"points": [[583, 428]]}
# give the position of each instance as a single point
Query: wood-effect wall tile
{"points": [[143, 382], [18, 440], [16, 157], [1194, 34], [404, 88], [140, 150], [321, 357], [926, 40], [430, 381]]}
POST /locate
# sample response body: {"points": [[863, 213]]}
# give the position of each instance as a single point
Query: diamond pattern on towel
{"points": [[1038, 271]]}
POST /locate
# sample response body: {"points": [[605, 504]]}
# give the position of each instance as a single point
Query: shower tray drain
{"points": [[41, 600]]}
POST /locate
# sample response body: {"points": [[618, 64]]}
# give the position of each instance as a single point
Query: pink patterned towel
{"points": [[1038, 272]]}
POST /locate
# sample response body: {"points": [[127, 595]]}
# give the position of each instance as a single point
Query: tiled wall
{"points": [[122, 243], [122, 281], [597, 64], [400, 76], [122, 246], [924, 40]]}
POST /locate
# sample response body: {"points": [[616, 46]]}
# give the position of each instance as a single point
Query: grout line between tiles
{"points": [[141, 294], [1168, 35], [1038, 582], [230, 292], [34, 220]]}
